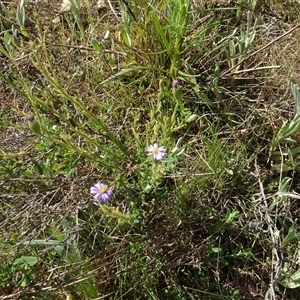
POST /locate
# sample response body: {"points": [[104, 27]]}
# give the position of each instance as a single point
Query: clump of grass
{"points": [[147, 161]]}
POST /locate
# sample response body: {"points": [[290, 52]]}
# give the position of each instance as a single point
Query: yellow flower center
{"points": [[155, 151], [102, 189]]}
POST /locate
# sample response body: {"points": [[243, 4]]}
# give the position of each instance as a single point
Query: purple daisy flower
{"points": [[101, 192], [157, 152]]}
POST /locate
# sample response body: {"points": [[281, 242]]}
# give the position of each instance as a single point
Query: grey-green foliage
{"points": [[289, 127]]}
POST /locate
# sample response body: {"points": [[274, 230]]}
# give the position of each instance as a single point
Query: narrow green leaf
{"points": [[115, 213], [124, 71], [295, 150], [160, 30], [292, 234], [125, 35], [230, 216], [291, 195], [41, 243], [296, 94], [4, 52]]}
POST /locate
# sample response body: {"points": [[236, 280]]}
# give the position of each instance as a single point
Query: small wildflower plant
{"points": [[156, 151], [151, 107], [154, 172], [101, 192]]}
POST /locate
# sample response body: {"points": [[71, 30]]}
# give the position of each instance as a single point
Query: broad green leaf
{"points": [[25, 260], [96, 45], [7, 38], [216, 249], [35, 127], [292, 281]]}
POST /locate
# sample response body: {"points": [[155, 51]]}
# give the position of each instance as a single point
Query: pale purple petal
{"points": [[97, 197], [94, 190]]}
